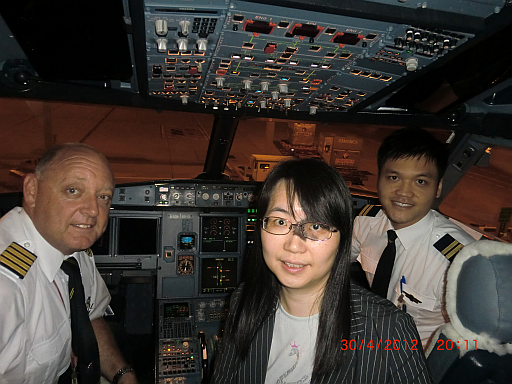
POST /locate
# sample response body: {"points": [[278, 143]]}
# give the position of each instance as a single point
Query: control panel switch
{"points": [[182, 45], [270, 48], [247, 84], [185, 27], [283, 88], [161, 27], [202, 44], [411, 64], [264, 86], [220, 82], [161, 45]]}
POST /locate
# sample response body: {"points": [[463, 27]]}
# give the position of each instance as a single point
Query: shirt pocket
{"points": [[53, 349], [415, 299], [368, 263]]}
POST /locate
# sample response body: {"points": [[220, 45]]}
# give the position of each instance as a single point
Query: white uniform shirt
{"points": [[419, 268], [35, 331]]}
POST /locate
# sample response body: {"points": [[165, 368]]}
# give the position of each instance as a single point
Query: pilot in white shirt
{"points": [[417, 280], [35, 336], [411, 164]]}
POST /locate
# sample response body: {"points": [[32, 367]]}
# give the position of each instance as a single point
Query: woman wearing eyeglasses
{"points": [[297, 318]]}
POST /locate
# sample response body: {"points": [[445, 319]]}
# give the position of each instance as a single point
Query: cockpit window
{"points": [[483, 197], [144, 145]]}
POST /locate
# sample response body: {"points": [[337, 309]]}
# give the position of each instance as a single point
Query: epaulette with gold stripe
{"points": [[17, 259], [448, 246], [370, 210]]}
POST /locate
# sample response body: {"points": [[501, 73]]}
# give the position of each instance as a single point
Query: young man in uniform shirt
{"points": [[65, 210], [411, 164]]}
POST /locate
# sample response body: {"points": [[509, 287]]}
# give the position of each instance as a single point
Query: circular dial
{"points": [[185, 264]]}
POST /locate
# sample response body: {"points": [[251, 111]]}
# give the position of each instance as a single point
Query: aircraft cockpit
{"points": [[194, 103]]}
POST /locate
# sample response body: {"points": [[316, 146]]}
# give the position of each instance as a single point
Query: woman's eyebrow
{"points": [[279, 209]]}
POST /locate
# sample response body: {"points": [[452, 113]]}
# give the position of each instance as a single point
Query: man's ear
{"points": [[439, 189], [30, 190]]}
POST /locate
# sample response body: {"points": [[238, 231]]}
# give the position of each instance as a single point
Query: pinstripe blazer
{"points": [[396, 357]]}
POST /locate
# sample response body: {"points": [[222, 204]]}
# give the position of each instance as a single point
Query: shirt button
{"points": [[26, 244]]}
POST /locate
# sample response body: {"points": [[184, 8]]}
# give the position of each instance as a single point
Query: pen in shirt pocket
{"points": [[401, 301]]}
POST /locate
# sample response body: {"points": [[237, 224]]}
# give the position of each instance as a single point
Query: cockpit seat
{"points": [[476, 345]]}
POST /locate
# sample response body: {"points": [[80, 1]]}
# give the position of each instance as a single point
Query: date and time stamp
{"points": [[413, 345]]}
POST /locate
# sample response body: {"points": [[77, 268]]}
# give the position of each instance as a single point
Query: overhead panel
{"points": [[279, 56], [181, 39], [231, 55]]}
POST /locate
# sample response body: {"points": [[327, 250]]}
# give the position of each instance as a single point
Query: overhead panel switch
{"points": [[270, 48], [161, 45], [161, 27], [247, 85], [202, 44], [185, 27], [182, 45]]}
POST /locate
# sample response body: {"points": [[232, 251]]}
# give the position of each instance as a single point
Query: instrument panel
{"points": [[189, 238]]}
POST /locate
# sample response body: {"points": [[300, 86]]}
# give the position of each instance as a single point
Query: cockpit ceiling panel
{"points": [[249, 55], [285, 57]]}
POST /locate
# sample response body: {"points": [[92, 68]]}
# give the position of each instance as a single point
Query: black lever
{"points": [[204, 358]]}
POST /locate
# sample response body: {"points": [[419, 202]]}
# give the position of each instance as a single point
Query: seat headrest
{"points": [[479, 295]]}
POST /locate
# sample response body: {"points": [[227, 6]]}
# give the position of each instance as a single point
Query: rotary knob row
{"points": [[182, 45], [264, 86], [161, 27]]}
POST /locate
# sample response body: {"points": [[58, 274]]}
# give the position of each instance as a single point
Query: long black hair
{"points": [[324, 197]]}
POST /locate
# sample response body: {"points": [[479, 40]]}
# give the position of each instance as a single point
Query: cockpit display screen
{"points": [[137, 236], [176, 310], [219, 234], [218, 275], [187, 241]]}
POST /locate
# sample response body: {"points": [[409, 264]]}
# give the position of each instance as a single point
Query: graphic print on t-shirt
{"points": [[306, 379]]}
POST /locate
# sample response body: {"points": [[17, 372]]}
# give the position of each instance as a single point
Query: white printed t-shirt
{"points": [[293, 348]]}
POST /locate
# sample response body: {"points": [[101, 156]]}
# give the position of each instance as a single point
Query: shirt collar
{"points": [[384, 225], [49, 258], [410, 234]]}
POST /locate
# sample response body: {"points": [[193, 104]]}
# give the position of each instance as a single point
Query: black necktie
{"points": [[83, 339], [385, 267]]}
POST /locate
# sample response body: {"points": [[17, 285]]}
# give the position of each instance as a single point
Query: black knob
{"points": [[22, 77]]}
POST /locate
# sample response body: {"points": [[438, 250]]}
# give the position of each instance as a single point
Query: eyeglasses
{"points": [[313, 231]]}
